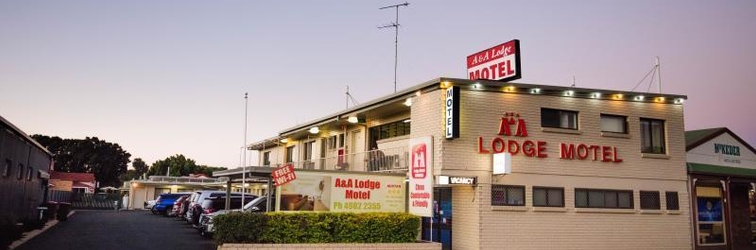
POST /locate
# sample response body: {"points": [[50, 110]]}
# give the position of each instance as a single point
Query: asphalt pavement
{"points": [[119, 230]]}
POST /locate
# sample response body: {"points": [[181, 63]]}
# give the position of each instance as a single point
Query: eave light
{"points": [[569, 93], [314, 130], [596, 95], [639, 98], [617, 97], [660, 99], [535, 91], [509, 89], [408, 102], [679, 101], [353, 119], [477, 86], [284, 140]]}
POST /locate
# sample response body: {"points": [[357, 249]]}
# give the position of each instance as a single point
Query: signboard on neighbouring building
{"points": [[421, 176], [283, 175], [343, 192], [501, 62]]}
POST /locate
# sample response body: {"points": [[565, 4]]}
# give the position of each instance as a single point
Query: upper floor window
{"points": [[20, 173], [389, 130], [29, 174], [266, 158], [290, 154], [554, 118], [613, 123], [307, 150], [336, 141], [652, 136], [600, 198]]}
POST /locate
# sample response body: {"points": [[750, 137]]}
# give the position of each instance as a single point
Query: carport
{"points": [[252, 174]]}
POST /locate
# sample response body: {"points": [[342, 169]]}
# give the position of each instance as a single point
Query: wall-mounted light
{"points": [[679, 101], [596, 95], [408, 102], [284, 140], [477, 86], [314, 130], [617, 97], [535, 91], [569, 93], [639, 98], [445, 84], [353, 119], [509, 89], [418, 93], [408, 121], [659, 99]]}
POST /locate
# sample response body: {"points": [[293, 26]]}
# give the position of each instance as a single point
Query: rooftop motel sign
{"points": [[501, 62], [512, 139]]}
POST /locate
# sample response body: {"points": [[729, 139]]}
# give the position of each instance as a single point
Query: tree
{"points": [[180, 166], [107, 161], [140, 167]]}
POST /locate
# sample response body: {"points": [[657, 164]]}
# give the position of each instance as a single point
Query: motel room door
{"points": [[740, 224], [440, 225]]}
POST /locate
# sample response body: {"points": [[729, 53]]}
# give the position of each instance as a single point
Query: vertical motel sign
{"points": [[501, 62], [452, 113]]}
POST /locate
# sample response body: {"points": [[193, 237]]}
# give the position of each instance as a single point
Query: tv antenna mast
{"points": [[394, 25], [350, 97], [655, 72]]}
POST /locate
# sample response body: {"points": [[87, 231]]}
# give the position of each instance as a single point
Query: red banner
{"points": [[283, 175]]}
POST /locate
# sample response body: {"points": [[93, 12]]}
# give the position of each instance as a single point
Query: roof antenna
{"points": [[394, 25], [573, 81], [655, 73], [350, 97]]}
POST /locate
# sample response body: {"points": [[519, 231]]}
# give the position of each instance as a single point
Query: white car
{"points": [[149, 204]]}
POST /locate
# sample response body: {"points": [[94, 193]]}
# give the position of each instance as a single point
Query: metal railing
{"points": [[177, 179], [379, 160]]}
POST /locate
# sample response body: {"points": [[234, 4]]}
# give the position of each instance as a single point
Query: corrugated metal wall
{"points": [[21, 188]]}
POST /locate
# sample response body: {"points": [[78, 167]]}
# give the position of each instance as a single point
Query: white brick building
{"points": [[590, 169]]}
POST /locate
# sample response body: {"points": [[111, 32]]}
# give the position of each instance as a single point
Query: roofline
{"points": [[24, 135], [487, 84], [714, 135]]}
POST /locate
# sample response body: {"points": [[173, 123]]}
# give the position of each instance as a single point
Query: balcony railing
{"points": [[379, 160]]}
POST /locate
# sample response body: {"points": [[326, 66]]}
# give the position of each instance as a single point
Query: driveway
{"points": [[119, 230]]}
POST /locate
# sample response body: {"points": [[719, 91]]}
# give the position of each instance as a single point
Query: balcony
{"points": [[392, 160]]}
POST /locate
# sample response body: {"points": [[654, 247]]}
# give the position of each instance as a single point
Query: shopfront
{"points": [[722, 172]]}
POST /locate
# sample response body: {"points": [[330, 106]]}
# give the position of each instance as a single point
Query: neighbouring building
{"points": [[515, 166], [83, 183], [24, 167], [722, 177]]}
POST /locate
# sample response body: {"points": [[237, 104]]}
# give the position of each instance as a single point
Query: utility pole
{"points": [[244, 166], [394, 25]]}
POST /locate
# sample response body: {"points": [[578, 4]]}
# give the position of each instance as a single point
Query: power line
{"points": [[394, 25]]}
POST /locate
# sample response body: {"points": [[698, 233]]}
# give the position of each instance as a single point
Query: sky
{"points": [[168, 77]]}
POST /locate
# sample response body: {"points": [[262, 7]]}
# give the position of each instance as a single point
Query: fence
{"points": [[84, 200], [379, 160]]}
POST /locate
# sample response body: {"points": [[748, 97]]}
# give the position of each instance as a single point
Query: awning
{"points": [[43, 174], [699, 168]]}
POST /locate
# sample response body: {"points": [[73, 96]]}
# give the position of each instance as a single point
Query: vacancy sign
{"points": [[421, 176], [501, 62], [283, 175]]}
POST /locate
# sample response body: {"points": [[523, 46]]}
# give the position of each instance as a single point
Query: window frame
{"points": [[604, 195], [266, 158], [559, 113], [547, 189], [624, 123], [668, 199], [289, 154], [650, 132], [7, 168], [20, 173], [29, 173], [656, 206], [506, 194]]}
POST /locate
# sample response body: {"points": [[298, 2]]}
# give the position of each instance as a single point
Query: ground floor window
{"points": [[710, 216], [603, 198], [505, 195]]}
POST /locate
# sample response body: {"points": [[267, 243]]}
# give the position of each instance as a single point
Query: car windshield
{"points": [[253, 202]]}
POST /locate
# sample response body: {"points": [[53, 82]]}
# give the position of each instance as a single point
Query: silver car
{"points": [[257, 205]]}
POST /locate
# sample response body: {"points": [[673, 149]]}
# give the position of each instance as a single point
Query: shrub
{"points": [[316, 228]]}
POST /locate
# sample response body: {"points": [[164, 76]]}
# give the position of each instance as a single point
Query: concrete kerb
{"points": [[33, 233]]}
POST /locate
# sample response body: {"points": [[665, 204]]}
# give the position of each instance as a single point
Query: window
{"points": [[600, 198], [29, 174], [652, 136], [385, 131], [672, 201], [548, 197], [333, 142], [503, 195], [20, 171], [554, 118], [266, 158], [649, 200], [614, 123], [7, 168], [289, 154], [308, 150], [710, 215]]}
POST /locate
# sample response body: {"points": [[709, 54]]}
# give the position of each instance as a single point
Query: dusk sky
{"points": [[168, 77]]}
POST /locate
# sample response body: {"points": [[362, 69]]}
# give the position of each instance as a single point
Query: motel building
{"points": [[496, 165], [722, 171]]}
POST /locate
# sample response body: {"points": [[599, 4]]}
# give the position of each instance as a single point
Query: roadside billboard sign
{"points": [[501, 62]]}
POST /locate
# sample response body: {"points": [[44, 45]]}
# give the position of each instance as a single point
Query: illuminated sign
{"points": [[456, 180], [452, 112], [501, 62], [502, 163], [421, 176]]}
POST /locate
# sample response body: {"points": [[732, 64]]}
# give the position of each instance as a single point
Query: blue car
{"points": [[164, 203]]}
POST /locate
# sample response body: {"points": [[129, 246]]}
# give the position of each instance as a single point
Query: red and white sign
{"points": [[501, 62], [283, 175], [421, 176]]}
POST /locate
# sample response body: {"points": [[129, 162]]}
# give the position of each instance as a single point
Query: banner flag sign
{"points": [[501, 62]]}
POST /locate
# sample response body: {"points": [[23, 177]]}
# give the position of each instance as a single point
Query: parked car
{"points": [[258, 205], [213, 204], [194, 209], [149, 204], [164, 203], [179, 207]]}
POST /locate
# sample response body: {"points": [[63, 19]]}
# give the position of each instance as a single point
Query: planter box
{"points": [[335, 246]]}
